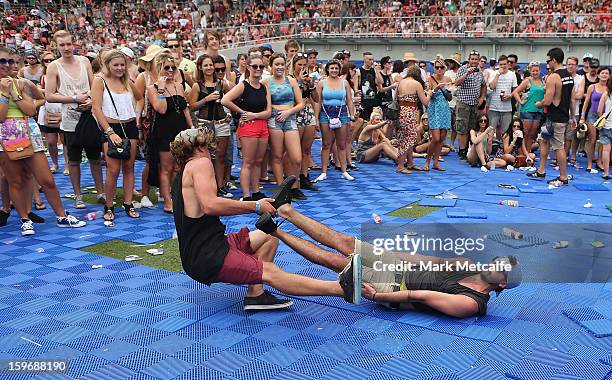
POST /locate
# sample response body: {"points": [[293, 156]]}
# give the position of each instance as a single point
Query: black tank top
{"points": [[253, 99], [445, 282], [561, 113], [388, 95], [211, 110], [202, 242], [367, 85]]}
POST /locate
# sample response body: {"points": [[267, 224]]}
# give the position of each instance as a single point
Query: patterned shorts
{"points": [[306, 117]]}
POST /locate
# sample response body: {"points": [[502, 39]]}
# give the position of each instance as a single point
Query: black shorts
{"points": [[131, 131], [75, 150], [45, 129]]}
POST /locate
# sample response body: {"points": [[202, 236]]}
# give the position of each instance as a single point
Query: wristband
{"points": [[257, 207], [74, 99], [160, 97], [4, 100]]}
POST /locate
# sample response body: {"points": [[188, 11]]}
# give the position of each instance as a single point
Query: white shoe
{"points": [[27, 228], [66, 172], [69, 221], [321, 177], [484, 169], [78, 203], [509, 168], [347, 176], [146, 202]]}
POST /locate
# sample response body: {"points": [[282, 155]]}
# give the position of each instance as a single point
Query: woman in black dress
{"points": [[171, 117]]}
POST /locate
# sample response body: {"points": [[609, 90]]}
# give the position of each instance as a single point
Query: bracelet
{"points": [[374, 296], [160, 97], [257, 207], [74, 99], [109, 132], [4, 100]]}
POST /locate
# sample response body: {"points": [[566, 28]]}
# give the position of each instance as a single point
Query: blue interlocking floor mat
{"points": [[128, 321]]}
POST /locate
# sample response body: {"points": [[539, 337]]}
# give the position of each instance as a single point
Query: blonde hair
{"points": [[162, 58], [376, 111], [439, 61], [61, 34], [114, 54], [188, 141]]}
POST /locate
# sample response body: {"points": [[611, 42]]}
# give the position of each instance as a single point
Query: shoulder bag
{"points": [[121, 151]]}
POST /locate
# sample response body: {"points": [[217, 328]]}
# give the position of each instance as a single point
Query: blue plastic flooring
{"points": [[128, 321]]}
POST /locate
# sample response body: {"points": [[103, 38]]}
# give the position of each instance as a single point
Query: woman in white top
{"points": [[605, 134], [118, 121]]}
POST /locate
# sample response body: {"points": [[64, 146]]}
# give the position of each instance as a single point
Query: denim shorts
{"points": [[289, 124], [592, 117], [531, 116], [605, 136], [333, 111]]}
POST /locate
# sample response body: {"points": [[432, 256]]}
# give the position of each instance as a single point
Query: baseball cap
{"points": [[587, 56], [267, 46], [311, 51], [594, 63], [127, 51]]}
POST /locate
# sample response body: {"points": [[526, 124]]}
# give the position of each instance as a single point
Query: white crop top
{"points": [[124, 103]]}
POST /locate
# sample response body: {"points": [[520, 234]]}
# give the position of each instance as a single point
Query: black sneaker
{"points": [[297, 195], [266, 301], [247, 199], [536, 174], [350, 280], [4, 217], [233, 177], [558, 181], [222, 192], [266, 223], [306, 184], [35, 218], [283, 195], [258, 195]]}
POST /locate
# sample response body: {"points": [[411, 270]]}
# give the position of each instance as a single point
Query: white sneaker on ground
{"points": [[27, 228], [321, 177], [146, 202], [347, 176]]}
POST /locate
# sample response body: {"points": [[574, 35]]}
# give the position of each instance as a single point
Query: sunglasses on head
{"points": [[220, 69], [301, 55], [4, 61], [170, 68], [474, 52], [258, 67]]}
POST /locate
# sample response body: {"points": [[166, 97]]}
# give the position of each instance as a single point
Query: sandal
{"points": [[109, 214], [131, 211], [40, 206], [168, 211], [439, 168], [417, 168], [403, 171]]}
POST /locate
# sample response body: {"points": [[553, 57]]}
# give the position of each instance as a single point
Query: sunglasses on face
{"points": [[4, 61], [267, 55], [170, 68], [258, 67], [220, 69], [47, 60], [482, 121], [440, 67], [173, 46]]}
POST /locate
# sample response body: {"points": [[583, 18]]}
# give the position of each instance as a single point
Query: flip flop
{"points": [[415, 167], [403, 171], [439, 168], [40, 206]]}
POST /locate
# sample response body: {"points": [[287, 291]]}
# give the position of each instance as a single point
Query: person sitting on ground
{"points": [[481, 146], [388, 277], [242, 258], [514, 152], [424, 139], [372, 142]]}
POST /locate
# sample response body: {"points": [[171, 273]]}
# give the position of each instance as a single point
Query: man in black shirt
{"points": [[366, 82], [559, 104], [242, 258], [401, 280]]}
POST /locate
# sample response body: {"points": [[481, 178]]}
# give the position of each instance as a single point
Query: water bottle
{"points": [[93, 215], [377, 219], [509, 202]]}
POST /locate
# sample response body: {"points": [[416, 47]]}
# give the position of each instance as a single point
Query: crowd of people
{"points": [[139, 24]]}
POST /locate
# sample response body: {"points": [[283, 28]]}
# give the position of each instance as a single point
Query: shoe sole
{"points": [[357, 278], [70, 226], [285, 187], [29, 233], [269, 307]]}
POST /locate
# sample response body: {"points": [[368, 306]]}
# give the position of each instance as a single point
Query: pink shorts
{"points": [[241, 266], [254, 128]]}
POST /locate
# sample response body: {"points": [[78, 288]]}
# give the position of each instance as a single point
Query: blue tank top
{"points": [[282, 94], [333, 96], [595, 99]]}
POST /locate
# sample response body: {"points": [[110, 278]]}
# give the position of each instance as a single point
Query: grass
{"points": [[91, 196], [413, 210], [119, 249]]}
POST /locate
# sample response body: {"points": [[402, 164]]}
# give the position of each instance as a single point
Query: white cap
{"points": [[587, 56], [127, 51]]}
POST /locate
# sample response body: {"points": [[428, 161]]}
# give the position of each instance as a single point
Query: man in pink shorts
{"points": [[242, 258]]}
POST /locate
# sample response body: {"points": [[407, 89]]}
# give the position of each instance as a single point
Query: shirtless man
{"points": [[69, 81], [456, 291], [242, 258]]}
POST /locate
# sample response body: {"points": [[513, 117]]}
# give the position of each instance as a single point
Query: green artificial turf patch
{"points": [[413, 210], [119, 249], [91, 196]]}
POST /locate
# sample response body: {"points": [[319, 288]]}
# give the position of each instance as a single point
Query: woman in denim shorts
{"points": [[284, 136], [592, 100], [336, 103], [531, 116]]}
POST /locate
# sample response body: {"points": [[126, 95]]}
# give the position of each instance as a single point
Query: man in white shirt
{"points": [[501, 83], [571, 141]]}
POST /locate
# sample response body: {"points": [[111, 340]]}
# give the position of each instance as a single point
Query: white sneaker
{"points": [[484, 169], [78, 202], [66, 172], [347, 176], [69, 221], [27, 228], [321, 177], [509, 168], [146, 202]]}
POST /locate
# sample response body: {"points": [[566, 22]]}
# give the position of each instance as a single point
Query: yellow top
{"points": [[14, 112]]}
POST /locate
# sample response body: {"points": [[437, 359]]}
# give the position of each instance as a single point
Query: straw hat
{"points": [[409, 56], [456, 57], [150, 53]]}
